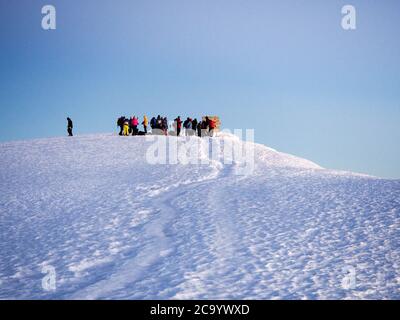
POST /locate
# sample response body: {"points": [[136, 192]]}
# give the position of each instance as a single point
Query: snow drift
{"points": [[110, 225]]}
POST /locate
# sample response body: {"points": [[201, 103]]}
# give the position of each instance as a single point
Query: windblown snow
{"points": [[91, 217]]}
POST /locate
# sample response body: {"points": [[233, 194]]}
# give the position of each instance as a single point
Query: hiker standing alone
{"points": [[69, 127]]}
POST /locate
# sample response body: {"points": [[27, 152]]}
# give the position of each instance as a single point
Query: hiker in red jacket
{"points": [[211, 126], [178, 125], [134, 123]]}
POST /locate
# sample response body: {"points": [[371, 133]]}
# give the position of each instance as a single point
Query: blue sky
{"points": [[285, 68]]}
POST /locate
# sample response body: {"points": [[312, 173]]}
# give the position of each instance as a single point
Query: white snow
{"points": [[114, 226]]}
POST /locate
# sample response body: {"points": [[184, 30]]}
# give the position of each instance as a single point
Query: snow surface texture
{"points": [[114, 226]]}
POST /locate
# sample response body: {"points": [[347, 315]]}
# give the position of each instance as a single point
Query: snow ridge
{"points": [[115, 227]]}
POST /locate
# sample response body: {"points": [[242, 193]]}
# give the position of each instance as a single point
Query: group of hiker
{"points": [[129, 126], [193, 127], [159, 125]]}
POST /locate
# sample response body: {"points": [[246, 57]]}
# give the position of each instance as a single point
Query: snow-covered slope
{"points": [[114, 226]]}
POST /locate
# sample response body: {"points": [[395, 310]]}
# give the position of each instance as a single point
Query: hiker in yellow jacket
{"points": [[126, 128], [145, 123]]}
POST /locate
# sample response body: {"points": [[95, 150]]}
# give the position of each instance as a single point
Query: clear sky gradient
{"points": [[285, 68]]}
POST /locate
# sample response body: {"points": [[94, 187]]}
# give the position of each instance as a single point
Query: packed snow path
{"points": [[114, 226]]}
